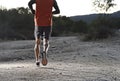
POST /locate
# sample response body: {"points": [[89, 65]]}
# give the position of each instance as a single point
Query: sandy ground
{"points": [[70, 59]]}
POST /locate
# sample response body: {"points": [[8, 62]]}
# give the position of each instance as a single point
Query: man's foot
{"points": [[44, 59], [38, 63]]}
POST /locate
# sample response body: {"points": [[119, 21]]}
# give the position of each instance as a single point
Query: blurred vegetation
{"points": [[102, 27], [18, 24], [103, 5]]}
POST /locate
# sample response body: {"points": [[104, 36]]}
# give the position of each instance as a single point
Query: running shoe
{"points": [[44, 59], [38, 63]]}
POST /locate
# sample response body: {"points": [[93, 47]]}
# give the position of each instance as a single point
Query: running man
{"points": [[43, 25]]}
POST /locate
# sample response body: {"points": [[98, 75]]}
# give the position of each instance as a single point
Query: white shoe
{"points": [[38, 63]]}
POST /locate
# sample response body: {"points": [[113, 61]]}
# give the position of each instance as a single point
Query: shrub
{"points": [[80, 27], [100, 28]]}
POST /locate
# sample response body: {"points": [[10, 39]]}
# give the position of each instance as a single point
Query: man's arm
{"points": [[57, 10], [30, 3]]}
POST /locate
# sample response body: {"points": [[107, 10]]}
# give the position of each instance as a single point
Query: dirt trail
{"points": [[70, 59]]}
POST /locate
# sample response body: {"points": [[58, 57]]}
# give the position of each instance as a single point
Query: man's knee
{"points": [[46, 43], [37, 41]]}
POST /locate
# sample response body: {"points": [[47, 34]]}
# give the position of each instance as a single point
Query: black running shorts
{"points": [[42, 31]]}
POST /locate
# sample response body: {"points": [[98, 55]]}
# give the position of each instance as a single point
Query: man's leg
{"points": [[45, 45], [38, 33], [37, 50], [44, 54], [47, 31]]}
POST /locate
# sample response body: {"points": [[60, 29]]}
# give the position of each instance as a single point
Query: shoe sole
{"points": [[44, 60]]}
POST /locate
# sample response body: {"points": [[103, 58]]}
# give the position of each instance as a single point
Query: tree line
{"points": [[18, 24]]}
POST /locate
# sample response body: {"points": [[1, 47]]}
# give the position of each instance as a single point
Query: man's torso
{"points": [[43, 14]]}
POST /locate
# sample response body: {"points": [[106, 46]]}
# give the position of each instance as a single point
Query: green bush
{"points": [[18, 24], [80, 27], [100, 28], [61, 25]]}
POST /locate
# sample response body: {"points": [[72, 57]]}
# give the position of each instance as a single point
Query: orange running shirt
{"points": [[43, 14]]}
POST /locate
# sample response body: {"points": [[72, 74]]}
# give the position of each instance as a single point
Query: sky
{"points": [[67, 7]]}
